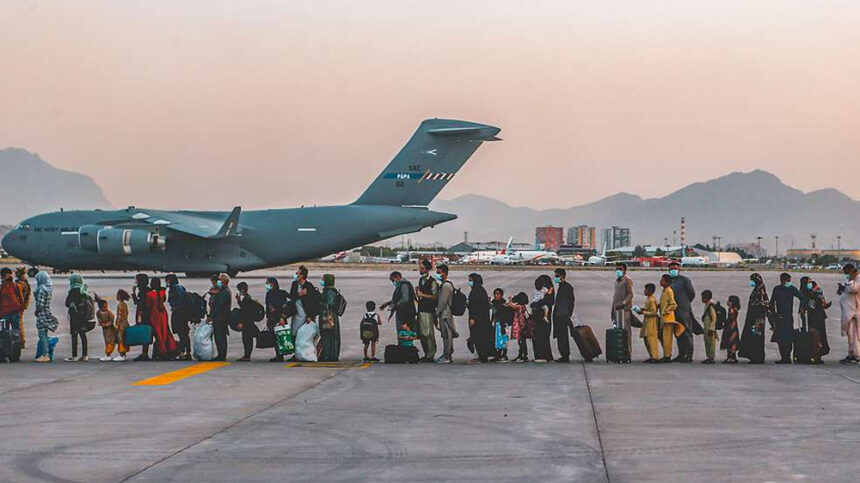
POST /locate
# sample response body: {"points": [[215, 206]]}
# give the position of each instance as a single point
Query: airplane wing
{"points": [[191, 223]]}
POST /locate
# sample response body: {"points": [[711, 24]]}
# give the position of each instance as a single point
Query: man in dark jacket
{"points": [[177, 298], [219, 312], [562, 312], [276, 299], [427, 294], [684, 296], [402, 301], [141, 312], [782, 304]]}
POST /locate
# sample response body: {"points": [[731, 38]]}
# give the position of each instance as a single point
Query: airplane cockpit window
{"points": [[23, 227]]}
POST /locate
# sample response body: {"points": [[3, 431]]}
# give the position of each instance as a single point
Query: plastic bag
{"points": [[52, 343], [204, 343], [306, 347], [284, 340]]}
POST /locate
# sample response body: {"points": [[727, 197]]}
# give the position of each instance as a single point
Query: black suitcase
{"points": [[588, 346], [804, 344], [395, 354], [616, 345], [10, 342]]}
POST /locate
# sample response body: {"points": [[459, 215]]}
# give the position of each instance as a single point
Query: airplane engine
{"points": [[88, 237], [115, 242]]}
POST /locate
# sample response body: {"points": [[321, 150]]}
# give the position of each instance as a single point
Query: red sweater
{"points": [[10, 298]]}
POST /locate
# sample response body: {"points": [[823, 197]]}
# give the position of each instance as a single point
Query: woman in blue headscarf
{"points": [[45, 320]]}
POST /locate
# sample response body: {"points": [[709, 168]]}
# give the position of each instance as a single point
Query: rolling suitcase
{"points": [[140, 334], [616, 341], [587, 344], [10, 342], [804, 344]]}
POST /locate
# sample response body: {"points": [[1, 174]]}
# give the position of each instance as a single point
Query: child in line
{"points": [[369, 331], [406, 337], [730, 338], [671, 328], [106, 320], [709, 323], [122, 298], [502, 318], [650, 321], [520, 330]]}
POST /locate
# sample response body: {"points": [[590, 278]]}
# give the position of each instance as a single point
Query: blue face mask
{"points": [[394, 282], [470, 283], [295, 277], [752, 283], [788, 284], [673, 273], [619, 273], [268, 287], [322, 283], [809, 286], [847, 276], [556, 279], [437, 276], [219, 284]]}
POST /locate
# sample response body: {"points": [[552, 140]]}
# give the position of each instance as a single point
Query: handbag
{"points": [[696, 327], [266, 339], [140, 334], [635, 321]]}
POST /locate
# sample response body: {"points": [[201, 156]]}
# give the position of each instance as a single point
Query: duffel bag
{"points": [[140, 334]]}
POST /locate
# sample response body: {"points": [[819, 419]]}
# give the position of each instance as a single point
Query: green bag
{"points": [[284, 340]]}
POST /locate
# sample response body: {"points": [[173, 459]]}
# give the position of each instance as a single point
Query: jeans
{"points": [[43, 342]]}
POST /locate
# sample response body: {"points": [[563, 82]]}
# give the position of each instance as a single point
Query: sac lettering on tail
{"points": [[431, 158]]}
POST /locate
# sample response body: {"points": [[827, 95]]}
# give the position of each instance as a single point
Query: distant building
{"points": [[808, 253], [463, 248], [752, 249], [573, 250], [583, 235], [615, 237], [549, 237]]}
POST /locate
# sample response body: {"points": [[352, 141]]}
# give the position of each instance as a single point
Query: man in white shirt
{"points": [[849, 302]]}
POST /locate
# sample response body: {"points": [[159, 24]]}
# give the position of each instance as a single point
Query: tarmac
{"points": [[597, 422]]}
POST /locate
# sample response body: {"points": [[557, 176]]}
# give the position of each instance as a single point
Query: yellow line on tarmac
{"points": [[171, 377]]}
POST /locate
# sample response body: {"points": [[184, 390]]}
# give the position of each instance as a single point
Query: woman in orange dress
{"points": [[165, 344]]}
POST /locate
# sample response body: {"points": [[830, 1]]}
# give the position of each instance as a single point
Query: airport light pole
{"points": [[839, 247], [777, 248], [758, 239]]}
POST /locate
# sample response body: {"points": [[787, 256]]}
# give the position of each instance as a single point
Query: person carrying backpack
{"points": [[249, 311], [709, 322], [81, 311], [402, 301], [369, 330], [177, 298], [444, 314], [329, 321]]}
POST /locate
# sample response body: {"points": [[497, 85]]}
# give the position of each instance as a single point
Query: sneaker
{"points": [[849, 360], [119, 358], [649, 361], [72, 359], [105, 358], [374, 359], [43, 359], [665, 360], [443, 360], [85, 359], [540, 361]]}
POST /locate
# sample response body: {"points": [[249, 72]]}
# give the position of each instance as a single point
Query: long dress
{"points": [[542, 328], [481, 332], [329, 338], [817, 318], [752, 338], [729, 339], [165, 344]]}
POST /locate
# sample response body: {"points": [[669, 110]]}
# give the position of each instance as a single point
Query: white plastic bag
{"points": [[204, 343], [306, 347]]}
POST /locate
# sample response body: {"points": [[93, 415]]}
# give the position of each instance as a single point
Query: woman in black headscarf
{"points": [[752, 338], [480, 328], [541, 306]]}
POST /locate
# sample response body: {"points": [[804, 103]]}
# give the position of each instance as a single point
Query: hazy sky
{"points": [[208, 104]]}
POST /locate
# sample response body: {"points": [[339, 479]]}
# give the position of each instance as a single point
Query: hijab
{"points": [[328, 279], [76, 282], [44, 282], [477, 280]]}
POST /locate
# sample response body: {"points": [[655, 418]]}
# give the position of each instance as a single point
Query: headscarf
{"points": [[76, 282], [477, 280], [328, 279], [224, 278], [44, 282], [758, 296]]}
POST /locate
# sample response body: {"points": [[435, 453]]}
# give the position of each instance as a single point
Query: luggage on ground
{"points": [[617, 348], [305, 344], [52, 344], [140, 334], [587, 344], [396, 354], [203, 342], [10, 342], [284, 340], [266, 339]]}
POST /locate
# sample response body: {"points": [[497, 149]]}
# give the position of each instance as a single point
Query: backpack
{"points": [[368, 328], [85, 307], [458, 302], [340, 304], [258, 312], [722, 316], [196, 306], [311, 304]]}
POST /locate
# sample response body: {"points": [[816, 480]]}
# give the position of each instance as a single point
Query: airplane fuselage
{"points": [[264, 238]]}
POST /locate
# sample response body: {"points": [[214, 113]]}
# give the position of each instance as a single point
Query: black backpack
{"points": [[458, 302], [311, 304], [340, 304], [722, 316], [196, 306], [258, 312]]}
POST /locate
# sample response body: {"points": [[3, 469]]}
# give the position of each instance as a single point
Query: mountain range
{"points": [[737, 207], [31, 186]]}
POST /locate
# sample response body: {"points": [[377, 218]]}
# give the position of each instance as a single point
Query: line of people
{"points": [[494, 321]]}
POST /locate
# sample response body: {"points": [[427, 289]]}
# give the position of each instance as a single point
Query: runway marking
{"points": [[171, 377], [328, 365]]}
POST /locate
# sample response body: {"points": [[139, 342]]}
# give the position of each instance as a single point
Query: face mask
{"points": [[219, 284], [394, 282], [322, 283], [437, 276], [809, 286], [847, 276], [673, 273], [788, 284], [544, 290], [268, 287], [556, 280], [752, 283], [470, 283], [295, 277], [619, 273]]}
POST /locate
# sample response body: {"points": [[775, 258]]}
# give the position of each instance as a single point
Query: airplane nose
{"points": [[6, 242]]}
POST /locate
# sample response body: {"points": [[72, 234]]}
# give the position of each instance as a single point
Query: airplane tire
{"points": [[32, 272]]}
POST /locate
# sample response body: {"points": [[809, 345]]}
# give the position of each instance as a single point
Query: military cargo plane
{"points": [[200, 243]]}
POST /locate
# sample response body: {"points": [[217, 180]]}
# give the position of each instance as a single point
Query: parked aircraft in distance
{"points": [[200, 243], [694, 261], [336, 257], [486, 256], [598, 260], [522, 257]]}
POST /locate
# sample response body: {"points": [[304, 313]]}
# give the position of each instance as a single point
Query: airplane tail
{"points": [[431, 158], [508, 246]]}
